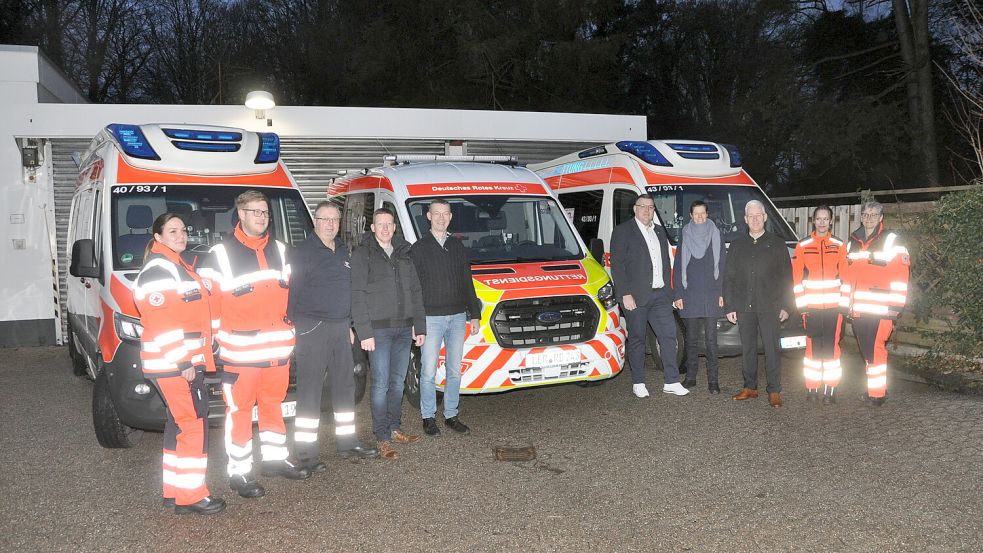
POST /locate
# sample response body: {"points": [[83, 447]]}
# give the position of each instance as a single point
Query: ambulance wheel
{"points": [[411, 386], [591, 383], [79, 366], [110, 432], [652, 347], [361, 372]]}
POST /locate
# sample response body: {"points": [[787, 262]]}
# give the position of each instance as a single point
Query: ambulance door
{"points": [[94, 292], [82, 311]]}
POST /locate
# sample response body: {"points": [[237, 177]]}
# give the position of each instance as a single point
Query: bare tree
{"points": [[966, 81]]}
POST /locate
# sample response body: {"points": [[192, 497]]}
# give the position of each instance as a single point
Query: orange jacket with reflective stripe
{"points": [[176, 314], [816, 272], [252, 274], [875, 282]]}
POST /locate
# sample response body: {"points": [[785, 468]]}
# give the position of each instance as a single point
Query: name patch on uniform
{"points": [[156, 299]]}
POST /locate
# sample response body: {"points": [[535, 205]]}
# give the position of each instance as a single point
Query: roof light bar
{"points": [[205, 146], [644, 150], [698, 155], [692, 147], [735, 155], [269, 148], [208, 136], [131, 139]]}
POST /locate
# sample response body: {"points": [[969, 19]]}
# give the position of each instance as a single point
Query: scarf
{"points": [[255, 243], [696, 238]]}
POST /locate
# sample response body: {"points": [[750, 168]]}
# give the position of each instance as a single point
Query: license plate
{"points": [[793, 342], [552, 358], [288, 408]]}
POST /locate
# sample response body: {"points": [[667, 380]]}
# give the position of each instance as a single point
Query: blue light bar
{"points": [[210, 136], [647, 152], [735, 156], [698, 155], [693, 147], [205, 146], [132, 141], [269, 148]]}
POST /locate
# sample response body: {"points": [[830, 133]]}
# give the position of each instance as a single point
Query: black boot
{"points": [[285, 469], [246, 486], [208, 506], [714, 388], [812, 395], [829, 395]]}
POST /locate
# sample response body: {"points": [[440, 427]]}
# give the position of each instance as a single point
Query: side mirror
{"points": [[84, 259], [596, 247]]}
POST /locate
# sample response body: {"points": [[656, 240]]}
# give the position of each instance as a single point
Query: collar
{"points": [[644, 227]]}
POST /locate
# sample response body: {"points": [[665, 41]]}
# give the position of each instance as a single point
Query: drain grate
{"points": [[527, 453]]}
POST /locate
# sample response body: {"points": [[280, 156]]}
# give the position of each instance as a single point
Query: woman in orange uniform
{"points": [[176, 349]]}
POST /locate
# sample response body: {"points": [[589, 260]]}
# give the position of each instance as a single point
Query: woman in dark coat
{"points": [[697, 278]]}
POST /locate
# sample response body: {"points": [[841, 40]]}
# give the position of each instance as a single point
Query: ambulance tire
{"points": [[79, 366], [652, 347], [110, 432], [591, 383], [411, 385]]}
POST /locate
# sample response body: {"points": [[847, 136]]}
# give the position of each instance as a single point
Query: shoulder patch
{"points": [[156, 299]]}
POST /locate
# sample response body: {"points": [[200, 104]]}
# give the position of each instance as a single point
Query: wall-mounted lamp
{"points": [[260, 101]]}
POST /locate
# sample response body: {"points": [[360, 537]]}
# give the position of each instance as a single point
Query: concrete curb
{"points": [[951, 380]]}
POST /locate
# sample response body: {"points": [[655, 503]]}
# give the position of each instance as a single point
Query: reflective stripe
{"points": [[301, 422], [344, 430], [899, 286], [834, 364], [870, 308], [303, 437], [344, 416], [173, 460], [821, 284], [230, 339], [877, 381], [185, 481], [812, 375], [874, 370], [818, 299], [222, 256], [844, 301], [806, 242], [240, 457], [216, 323], [836, 241], [859, 255], [798, 288], [273, 452], [269, 437], [814, 363], [169, 337], [251, 278], [882, 297], [256, 355]]}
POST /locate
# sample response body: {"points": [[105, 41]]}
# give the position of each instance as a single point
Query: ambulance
{"points": [[548, 309], [129, 175], [598, 186]]}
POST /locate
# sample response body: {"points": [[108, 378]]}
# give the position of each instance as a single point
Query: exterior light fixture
{"points": [[260, 101]]}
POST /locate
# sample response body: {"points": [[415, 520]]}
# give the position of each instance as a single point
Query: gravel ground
{"points": [[613, 473]]}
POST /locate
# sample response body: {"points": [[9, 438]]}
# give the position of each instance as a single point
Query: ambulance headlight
{"points": [[606, 296], [128, 328]]}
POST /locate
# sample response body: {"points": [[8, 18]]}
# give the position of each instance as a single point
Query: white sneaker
{"points": [[675, 388], [640, 390]]}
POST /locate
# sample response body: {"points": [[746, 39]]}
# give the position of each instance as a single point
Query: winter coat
{"points": [[385, 290], [701, 297]]}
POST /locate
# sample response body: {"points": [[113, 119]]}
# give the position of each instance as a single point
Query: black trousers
{"points": [[750, 324], [323, 348], [654, 311], [709, 327]]}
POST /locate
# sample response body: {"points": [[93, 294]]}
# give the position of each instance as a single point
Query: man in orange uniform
{"points": [[819, 258], [255, 343], [874, 291]]}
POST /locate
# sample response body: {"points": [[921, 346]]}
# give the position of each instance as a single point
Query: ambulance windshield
{"points": [[725, 207], [505, 229], [208, 211]]}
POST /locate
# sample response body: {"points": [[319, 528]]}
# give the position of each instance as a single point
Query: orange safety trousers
{"points": [[821, 364], [872, 335], [243, 388], [185, 438]]}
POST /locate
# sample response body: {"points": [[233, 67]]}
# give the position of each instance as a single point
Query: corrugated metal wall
{"points": [[65, 172], [312, 161]]}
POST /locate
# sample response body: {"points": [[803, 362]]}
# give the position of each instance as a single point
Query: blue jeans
{"points": [[389, 361], [449, 330]]}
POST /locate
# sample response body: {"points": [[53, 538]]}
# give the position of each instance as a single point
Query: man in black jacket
{"points": [[320, 306], [450, 302], [387, 307], [758, 297], [640, 269]]}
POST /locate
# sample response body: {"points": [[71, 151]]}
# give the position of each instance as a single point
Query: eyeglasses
{"points": [[870, 215], [258, 213], [334, 220], [645, 207]]}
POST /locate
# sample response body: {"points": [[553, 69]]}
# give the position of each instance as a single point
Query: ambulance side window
{"points": [[97, 226], [357, 217], [583, 209], [623, 202]]}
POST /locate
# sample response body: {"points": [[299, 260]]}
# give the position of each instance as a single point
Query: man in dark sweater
{"points": [[758, 297], [387, 307], [319, 304], [449, 301]]}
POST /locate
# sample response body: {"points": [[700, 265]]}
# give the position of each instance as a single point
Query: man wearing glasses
{"points": [[874, 291], [320, 307], [255, 343], [640, 269]]}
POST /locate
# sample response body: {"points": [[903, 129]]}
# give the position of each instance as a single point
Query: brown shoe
{"points": [[400, 437], [775, 399], [386, 451], [745, 393]]}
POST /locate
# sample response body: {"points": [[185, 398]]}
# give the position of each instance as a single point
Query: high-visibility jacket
{"points": [[816, 272], [176, 313], [875, 282], [252, 276]]}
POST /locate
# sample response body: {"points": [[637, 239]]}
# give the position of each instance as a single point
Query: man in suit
{"points": [[640, 269]]}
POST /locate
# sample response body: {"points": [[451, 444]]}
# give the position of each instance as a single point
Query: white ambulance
{"points": [[598, 187], [548, 309], [129, 175]]}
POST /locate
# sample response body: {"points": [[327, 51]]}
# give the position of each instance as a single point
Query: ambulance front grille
{"points": [[526, 375], [544, 321]]}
